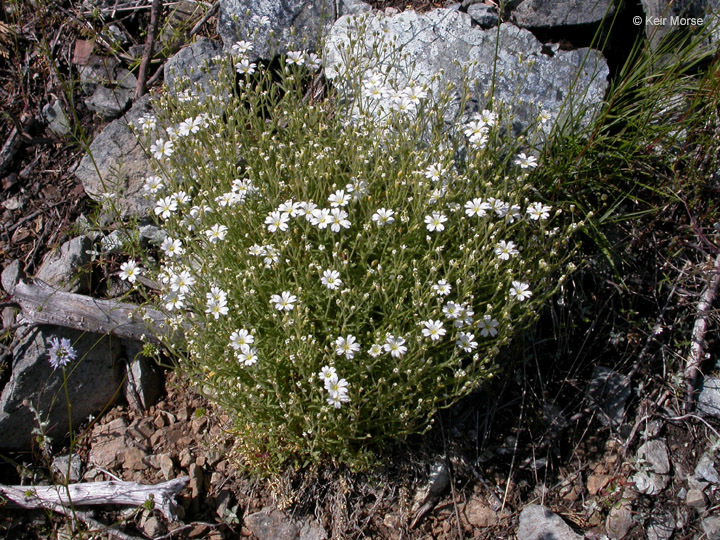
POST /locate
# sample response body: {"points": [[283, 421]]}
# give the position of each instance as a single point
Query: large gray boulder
{"points": [[662, 17], [116, 164], [440, 47], [64, 267], [93, 380], [198, 63], [554, 13], [274, 26]]}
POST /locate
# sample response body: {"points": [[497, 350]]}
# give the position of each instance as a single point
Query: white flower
{"points": [[327, 374], [538, 211], [182, 282], [61, 352], [147, 122], [161, 148], [520, 290], [165, 206], [442, 288], [383, 216], [504, 250], [216, 309], [245, 67], [375, 350], [173, 300], [487, 117], [499, 207], [452, 310], [339, 198], [231, 198], [153, 184], [476, 130], [465, 316], [305, 208], [181, 197], [525, 162], [433, 329], [435, 172], [216, 233], [257, 251], [171, 247], [290, 208], [435, 221], [336, 387], [312, 61], [216, 296], [129, 271], [277, 220], [347, 346], [331, 279], [466, 341], [295, 57], [488, 326], [243, 47], [247, 355], [338, 219], [320, 218], [336, 400], [284, 301], [476, 207], [241, 337], [395, 346]]}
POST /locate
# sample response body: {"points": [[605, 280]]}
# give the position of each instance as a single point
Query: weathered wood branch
{"points": [[697, 343], [42, 304], [97, 494]]}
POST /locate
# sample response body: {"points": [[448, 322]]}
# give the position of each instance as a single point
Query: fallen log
{"points": [[42, 304], [112, 492]]}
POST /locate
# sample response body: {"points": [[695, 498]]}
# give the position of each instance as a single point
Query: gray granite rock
{"points": [[109, 102], [662, 16], [353, 7], [607, 393], [554, 13], [93, 380], [709, 398], [198, 63], [484, 15], [705, 470], [711, 527], [291, 24], [539, 523], [660, 526], [56, 119], [63, 268], [10, 276], [117, 164], [435, 48]]}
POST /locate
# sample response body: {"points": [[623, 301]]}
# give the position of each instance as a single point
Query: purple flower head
{"points": [[61, 352]]}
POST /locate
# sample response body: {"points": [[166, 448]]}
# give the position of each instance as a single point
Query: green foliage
{"points": [[341, 270]]}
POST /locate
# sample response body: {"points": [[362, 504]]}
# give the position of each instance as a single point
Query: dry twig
{"points": [[149, 44]]}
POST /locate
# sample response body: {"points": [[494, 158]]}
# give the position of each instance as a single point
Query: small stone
{"points": [[619, 520], [151, 526], [134, 459], [654, 454], [607, 393], [695, 498], [271, 524], [11, 274], [63, 268], [596, 482], [705, 470], [479, 515], [661, 526], [711, 526], [311, 530], [186, 458], [60, 467], [167, 466], [196, 481], [56, 119], [483, 15], [539, 523], [708, 403]]}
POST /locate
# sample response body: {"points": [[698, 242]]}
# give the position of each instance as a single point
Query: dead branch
{"points": [[42, 304], [15, 140], [149, 44], [97, 494], [697, 343]]}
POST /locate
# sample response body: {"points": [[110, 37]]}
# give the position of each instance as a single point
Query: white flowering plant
{"points": [[339, 275]]}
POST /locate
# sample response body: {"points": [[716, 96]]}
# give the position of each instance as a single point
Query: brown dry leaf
{"points": [[83, 50], [38, 225]]}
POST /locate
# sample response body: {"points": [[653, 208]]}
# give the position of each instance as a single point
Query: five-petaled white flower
{"points": [[442, 288], [320, 218], [383, 216], [466, 341], [435, 221], [129, 271], [165, 206], [476, 207], [521, 291], [339, 198], [338, 220], [375, 350], [347, 346], [328, 373], [241, 337], [538, 211], [216, 233], [247, 355], [488, 326], [526, 162], [245, 67], [504, 250], [277, 221], [295, 57], [284, 301], [153, 184], [395, 346], [172, 247], [182, 282], [242, 47], [331, 279], [161, 148], [433, 329]]}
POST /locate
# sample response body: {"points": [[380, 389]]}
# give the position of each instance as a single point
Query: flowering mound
{"points": [[340, 272]]}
